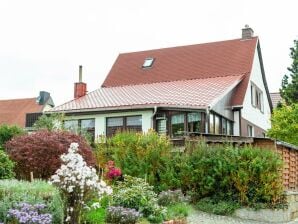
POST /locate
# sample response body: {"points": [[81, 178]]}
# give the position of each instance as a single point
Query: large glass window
{"points": [[177, 122], [132, 123], [72, 125], [194, 122]]}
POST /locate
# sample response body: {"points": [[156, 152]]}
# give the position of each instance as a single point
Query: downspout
{"points": [[154, 113]]}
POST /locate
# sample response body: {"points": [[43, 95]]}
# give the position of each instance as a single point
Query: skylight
{"points": [[148, 62]]}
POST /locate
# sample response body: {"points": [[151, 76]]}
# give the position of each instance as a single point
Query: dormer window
{"points": [[148, 62]]}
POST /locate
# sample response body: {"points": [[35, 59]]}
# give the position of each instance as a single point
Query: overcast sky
{"points": [[42, 43]]}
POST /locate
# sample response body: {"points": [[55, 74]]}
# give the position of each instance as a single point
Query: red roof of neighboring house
{"points": [[195, 93], [276, 98], [13, 112]]}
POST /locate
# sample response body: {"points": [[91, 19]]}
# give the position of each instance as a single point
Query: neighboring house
{"points": [[275, 98], [216, 88], [24, 112]]}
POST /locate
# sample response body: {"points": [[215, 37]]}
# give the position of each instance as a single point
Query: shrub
{"points": [[77, 181], [13, 192], [136, 193], [118, 214], [177, 211], [94, 216], [170, 197], [8, 132], [239, 174], [26, 213], [6, 166], [113, 173], [40, 152], [143, 155], [217, 207]]}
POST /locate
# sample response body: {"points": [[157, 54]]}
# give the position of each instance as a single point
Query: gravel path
{"points": [[198, 217]]}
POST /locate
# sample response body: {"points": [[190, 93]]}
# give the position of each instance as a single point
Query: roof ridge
{"points": [[17, 99], [189, 45]]}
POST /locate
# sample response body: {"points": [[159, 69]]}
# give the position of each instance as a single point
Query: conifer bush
{"points": [[40, 152]]}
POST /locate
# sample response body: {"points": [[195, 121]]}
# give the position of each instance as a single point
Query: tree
{"points": [[53, 122], [285, 124], [289, 89], [40, 152]]}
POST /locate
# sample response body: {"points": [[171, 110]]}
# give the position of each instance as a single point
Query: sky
{"points": [[42, 43]]}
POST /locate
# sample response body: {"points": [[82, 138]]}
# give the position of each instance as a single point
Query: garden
{"points": [[130, 178]]}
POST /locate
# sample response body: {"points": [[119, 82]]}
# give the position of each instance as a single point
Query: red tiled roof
{"points": [[13, 112], [195, 93], [276, 98], [209, 60]]}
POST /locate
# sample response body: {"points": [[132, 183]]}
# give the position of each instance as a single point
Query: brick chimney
{"points": [[80, 88], [247, 32]]}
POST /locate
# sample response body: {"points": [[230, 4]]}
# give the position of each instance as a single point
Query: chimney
{"points": [[80, 88], [43, 97], [247, 32]]}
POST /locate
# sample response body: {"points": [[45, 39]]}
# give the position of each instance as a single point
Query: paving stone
{"points": [[198, 217]]}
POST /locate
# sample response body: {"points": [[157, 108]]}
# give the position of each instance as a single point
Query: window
{"points": [[229, 127], [224, 126], [161, 126], [217, 124], [220, 125], [148, 62], [134, 121], [194, 122], [177, 122], [257, 97], [72, 125], [81, 126], [88, 126], [250, 131], [211, 124], [114, 124]]}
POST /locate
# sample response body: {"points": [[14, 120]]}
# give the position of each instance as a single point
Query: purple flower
{"points": [[30, 214]]}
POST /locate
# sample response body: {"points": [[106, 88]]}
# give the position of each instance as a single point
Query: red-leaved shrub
{"points": [[40, 152]]}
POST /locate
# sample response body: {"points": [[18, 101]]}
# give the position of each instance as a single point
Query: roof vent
{"points": [[148, 62]]}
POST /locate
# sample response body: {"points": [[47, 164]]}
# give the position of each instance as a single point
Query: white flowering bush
{"points": [[77, 181]]}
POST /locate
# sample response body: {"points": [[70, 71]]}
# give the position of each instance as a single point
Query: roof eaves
{"points": [[141, 106]]}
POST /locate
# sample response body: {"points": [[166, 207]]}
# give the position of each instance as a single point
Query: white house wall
{"points": [[250, 113], [100, 120]]}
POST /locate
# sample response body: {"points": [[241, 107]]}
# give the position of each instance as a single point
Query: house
{"points": [[24, 112], [276, 99], [218, 88]]}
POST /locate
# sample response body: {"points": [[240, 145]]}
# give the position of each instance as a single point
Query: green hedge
{"points": [[247, 175], [13, 192]]}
